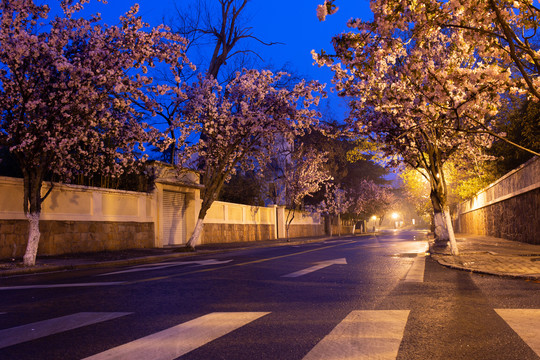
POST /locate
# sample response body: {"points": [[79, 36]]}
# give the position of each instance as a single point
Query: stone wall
{"points": [[63, 237], [305, 230], [228, 233], [508, 208], [516, 218]]}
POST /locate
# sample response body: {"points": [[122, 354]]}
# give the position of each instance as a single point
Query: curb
{"points": [[454, 266]]}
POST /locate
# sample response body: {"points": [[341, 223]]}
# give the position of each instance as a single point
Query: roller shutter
{"points": [[174, 209]]}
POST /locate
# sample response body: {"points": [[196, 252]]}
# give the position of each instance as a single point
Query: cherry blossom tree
{"points": [[217, 33], [335, 203], [369, 198], [241, 123], [424, 94], [67, 87], [303, 174], [502, 29], [356, 203]]}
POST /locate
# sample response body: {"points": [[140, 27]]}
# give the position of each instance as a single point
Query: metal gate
{"points": [[174, 222]]}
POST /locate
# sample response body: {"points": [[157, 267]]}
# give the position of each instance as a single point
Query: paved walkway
{"points": [[489, 255], [480, 254]]}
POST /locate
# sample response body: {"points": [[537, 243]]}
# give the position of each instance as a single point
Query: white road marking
{"points": [[23, 333], [147, 267], [416, 271], [181, 339], [319, 266], [53, 286], [363, 334], [526, 323]]}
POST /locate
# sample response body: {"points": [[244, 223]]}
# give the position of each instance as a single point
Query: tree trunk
{"points": [[32, 201], [288, 222], [29, 257], [329, 224], [441, 232], [453, 244], [444, 231], [195, 237]]}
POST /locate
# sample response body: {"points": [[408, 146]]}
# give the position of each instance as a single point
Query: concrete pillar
{"points": [[280, 222]]}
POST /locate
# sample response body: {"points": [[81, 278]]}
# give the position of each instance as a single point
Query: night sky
{"points": [[293, 23]]}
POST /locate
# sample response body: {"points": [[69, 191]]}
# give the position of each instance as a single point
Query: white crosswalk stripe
{"points": [[181, 339], [20, 334], [526, 323], [363, 334]]}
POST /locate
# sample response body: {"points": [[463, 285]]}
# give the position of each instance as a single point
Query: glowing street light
{"points": [[395, 216], [374, 218]]}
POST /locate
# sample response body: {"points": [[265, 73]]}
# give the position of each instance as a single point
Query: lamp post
{"points": [[374, 218], [395, 216]]}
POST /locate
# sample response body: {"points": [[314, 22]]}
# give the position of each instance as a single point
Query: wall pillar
{"points": [[280, 222]]}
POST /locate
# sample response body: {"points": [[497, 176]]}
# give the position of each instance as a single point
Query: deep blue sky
{"points": [[293, 23]]}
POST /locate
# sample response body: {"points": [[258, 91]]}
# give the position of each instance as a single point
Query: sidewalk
{"points": [[494, 256]]}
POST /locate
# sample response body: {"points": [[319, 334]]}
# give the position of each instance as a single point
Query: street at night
{"points": [[366, 297]]}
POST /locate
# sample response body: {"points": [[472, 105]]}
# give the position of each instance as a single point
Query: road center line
{"points": [[320, 265]]}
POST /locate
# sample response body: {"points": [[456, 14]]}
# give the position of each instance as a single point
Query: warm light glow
{"points": [[395, 215], [374, 217]]}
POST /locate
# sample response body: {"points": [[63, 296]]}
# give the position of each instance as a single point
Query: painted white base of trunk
{"points": [[196, 236], [441, 231], [29, 258], [453, 244]]}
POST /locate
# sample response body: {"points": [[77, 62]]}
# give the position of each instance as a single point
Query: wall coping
{"points": [[503, 198], [508, 174], [46, 184]]}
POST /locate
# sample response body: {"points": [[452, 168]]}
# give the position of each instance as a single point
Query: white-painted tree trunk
{"points": [[29, 257], [441, 231], [195, 237], [453, 244]]}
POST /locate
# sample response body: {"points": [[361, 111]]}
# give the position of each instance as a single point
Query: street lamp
{"points": [[374, 218], [395, 216]]}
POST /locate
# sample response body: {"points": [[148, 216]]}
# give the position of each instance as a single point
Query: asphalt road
{"points": [[375, 297]]}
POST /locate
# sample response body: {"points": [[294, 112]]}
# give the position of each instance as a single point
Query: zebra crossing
{"points": [[362, 334], [24, 333]]}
